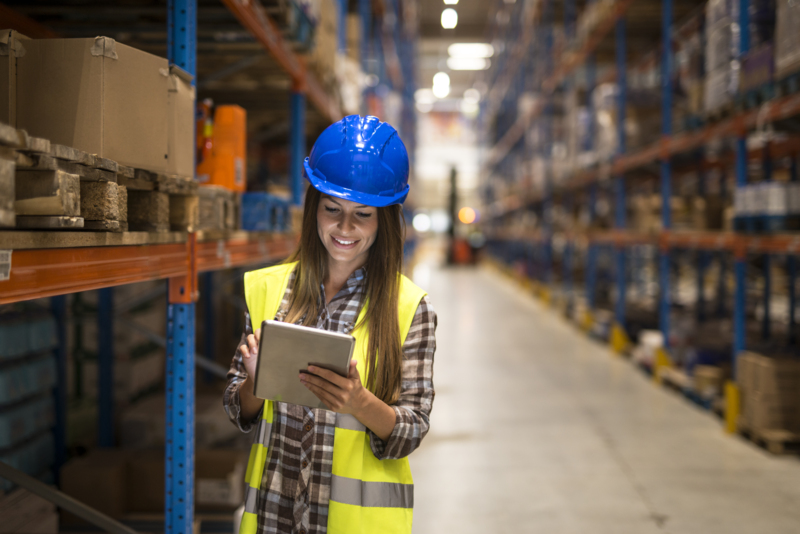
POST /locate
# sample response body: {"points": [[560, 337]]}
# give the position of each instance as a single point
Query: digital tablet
{"points": [[286, 350]]}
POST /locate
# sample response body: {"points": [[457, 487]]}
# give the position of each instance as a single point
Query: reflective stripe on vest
{"points": [[367, 495]]}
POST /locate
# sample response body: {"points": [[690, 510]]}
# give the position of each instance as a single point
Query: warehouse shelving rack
{"points": [[179, 258], [60, 266], [537, 246]]}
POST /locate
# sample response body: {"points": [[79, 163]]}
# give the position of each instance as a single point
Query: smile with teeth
{"points": [[343, 242]]}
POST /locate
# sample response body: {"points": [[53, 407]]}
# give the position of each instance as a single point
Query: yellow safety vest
{"points": [[368, 495]]}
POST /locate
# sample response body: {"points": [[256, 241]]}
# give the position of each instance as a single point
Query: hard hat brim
{"points": [[328, 188]]}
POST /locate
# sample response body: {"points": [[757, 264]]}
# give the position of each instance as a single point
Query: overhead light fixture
{"points": [[449, 18], [470, 50], [472, 95], [424, 107], [441, 91], [451, 2], [469, 108], [424, 96], [441, 78], [468, 63]]}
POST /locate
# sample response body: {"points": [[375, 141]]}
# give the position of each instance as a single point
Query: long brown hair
{"points": [[383, 268]]}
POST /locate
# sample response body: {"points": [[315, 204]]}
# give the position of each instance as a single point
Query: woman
{"points": [[343, 470]]}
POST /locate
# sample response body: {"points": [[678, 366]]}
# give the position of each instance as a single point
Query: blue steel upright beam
{"points": [[341, 33], [58, 304], [666, 170], [182, 295], [741, 181], [298, 145], [619, 181], [591, 261], [105, 367], [569, 20]]}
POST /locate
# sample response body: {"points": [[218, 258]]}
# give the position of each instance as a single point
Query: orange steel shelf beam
{"points": [[239, 252], [41, 273], [252, 16], [702, 240], [38, 273]]}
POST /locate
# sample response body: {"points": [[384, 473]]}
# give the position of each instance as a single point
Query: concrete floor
{"points": [[536, 428]]}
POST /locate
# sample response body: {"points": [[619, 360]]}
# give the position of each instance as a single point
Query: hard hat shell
{"points": [[360, 159]]}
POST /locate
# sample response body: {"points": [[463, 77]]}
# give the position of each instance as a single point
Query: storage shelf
{"points": [[252, 17], [37, 273], [686, 239]]}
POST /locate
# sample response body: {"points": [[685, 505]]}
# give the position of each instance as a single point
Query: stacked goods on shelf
{"points": [[263, 212], [98, 96], [593, 14], [224, 162], [321, 60], [768, 206], [642, 120], [757, 64], [218, 208], [142, 424], [722, 45], [27, 376], [689, 73], [26, 513], [119, 483], [787, 39], [180, 123], [9, 138], [770, 388], [222, 166]]}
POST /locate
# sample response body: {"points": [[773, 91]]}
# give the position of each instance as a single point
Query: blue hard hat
{"points": [[360, 159]]}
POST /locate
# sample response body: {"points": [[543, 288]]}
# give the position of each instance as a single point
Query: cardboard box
{"points": [[12, 47], [180, 137], [98, 96], [219, 477], [99, 480], [142, 425]]}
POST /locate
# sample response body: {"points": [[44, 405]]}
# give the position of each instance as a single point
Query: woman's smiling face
{"points": [[347, 229]]}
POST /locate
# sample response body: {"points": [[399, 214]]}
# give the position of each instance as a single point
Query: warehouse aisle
{"points": [[536, 428]]}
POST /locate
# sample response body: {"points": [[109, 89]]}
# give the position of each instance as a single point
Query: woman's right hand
{"points": [[249, 352]]}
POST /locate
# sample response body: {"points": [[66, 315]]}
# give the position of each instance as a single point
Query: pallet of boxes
{"points": [[95, 150], [770, 400], [221, 171]]}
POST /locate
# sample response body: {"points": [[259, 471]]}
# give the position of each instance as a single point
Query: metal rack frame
{"points": [[623, 241]]}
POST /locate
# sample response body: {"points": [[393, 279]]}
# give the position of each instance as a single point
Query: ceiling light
{"points": [[472, 95], [421, 222], [424, 107], [449, 19], [423, 96], [451, 2], [470, 50], [441, 78], [469, 107], [441, 91], [468, 63]]}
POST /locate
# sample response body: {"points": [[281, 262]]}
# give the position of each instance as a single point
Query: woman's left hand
{"points": [[340, 394]]}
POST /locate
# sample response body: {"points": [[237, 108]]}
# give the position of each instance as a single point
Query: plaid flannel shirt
{"points": [[297, 479]]}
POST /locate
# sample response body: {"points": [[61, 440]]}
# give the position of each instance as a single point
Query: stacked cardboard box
{"points": [[770, 389], [119, 482], [787, 38]]}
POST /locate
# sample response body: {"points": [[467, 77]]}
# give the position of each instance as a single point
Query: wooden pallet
{"points": [[776, 441], [160, 202]]}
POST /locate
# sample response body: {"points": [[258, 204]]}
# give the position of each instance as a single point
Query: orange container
{"points": [[228, 162]]}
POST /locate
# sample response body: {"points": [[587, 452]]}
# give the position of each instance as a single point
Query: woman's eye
{"points": [[365, 215], [331, 210]]}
